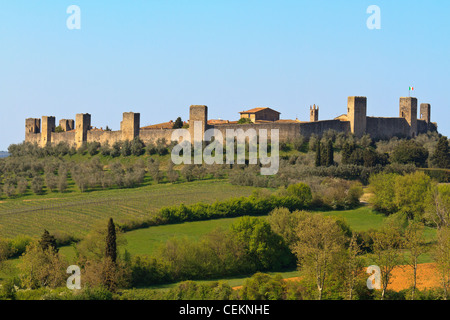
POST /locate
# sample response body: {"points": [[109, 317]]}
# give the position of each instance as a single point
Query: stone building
{"points": [[260, 114]]}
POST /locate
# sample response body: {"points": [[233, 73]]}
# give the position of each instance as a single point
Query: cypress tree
{"points": [[318, 155], [48, 241], [347, 150], [323, 154], [111, 246], [330, 153]]}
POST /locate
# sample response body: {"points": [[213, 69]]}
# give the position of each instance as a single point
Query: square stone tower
{"points": [[425, 112], [130, 125], [313, 113], [83, 124], [198, 113], [48, 126], [357, 115], [408, 110], [32, 125], [67, 124]]}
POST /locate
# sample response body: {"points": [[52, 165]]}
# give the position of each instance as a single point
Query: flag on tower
{"points": [[411, 88]]}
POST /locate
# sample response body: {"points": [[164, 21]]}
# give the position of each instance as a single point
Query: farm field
{"points": [[147, 240], [77, 213]]}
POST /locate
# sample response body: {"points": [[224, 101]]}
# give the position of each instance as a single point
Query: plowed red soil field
{"points": [[427, 277]]}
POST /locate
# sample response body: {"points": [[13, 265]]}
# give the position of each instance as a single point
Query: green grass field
{"points": [[146, 241], [77, 213]]}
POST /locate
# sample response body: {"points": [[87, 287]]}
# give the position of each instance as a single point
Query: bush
{"points": [[244, 121], [93, 148], [262, 286], [265, 249], [125, 149], [137, 147], [37, 185], [382, 186], [252, 205], [409, 151]]}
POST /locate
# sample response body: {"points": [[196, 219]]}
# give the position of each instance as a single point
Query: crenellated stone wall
{"points": [[355, 121]]}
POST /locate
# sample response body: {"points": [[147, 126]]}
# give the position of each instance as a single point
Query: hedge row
{"points": [[296, 197]]}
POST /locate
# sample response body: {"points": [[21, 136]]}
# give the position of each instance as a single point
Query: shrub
{"points": [[93, 148], [262, 286], [37, 185], [137, 147], [125, 149], [409, 151], [265, 249], [382, 186]]}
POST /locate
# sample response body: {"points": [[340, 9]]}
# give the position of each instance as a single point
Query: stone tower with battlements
{"points": [[48, 126], [32, 125], [67, 124], [357, 115], [425, 112], [313, 113], [408, 110], [199, 114], [130, 125], [82, 125]]}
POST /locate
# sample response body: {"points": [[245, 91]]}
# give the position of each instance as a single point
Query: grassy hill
{"points": [[77, 213]]}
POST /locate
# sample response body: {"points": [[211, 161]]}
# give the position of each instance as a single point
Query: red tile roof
{"points": [[255, 110]]}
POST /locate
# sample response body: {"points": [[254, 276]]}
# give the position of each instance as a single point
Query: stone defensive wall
{"points": [[78, 131]]}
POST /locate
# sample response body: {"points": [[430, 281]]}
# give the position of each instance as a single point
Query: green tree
{"points": [[320, 240], [137, 147], [386, 253], [111, 245], [347, 150], [6, 250], [48, 241], [323, 153], [37, 185], [442, 259], [318, 161], [353, 271], [284, 223], [330, 154], [441, 155], [244, 121], [178, 123], [414, 242], [410, 151], [410, 192], [125, 149], [438, 205], [371, 158], [262, 286], [302, 191], [41, 268], [265, 249], [382, 187], [115, 150]]}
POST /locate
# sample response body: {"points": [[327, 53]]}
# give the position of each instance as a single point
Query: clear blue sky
{"points": [[158, 57]]}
